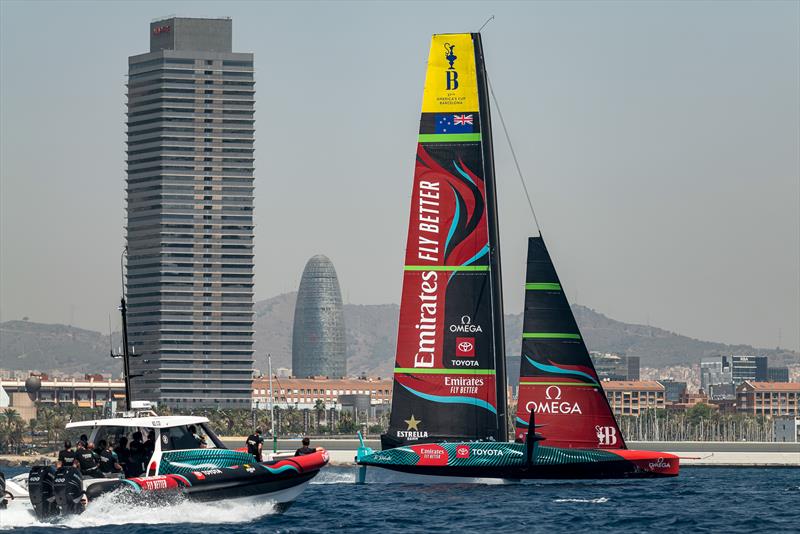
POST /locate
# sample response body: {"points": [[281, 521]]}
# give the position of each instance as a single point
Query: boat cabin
{"points": [[183, 437]]}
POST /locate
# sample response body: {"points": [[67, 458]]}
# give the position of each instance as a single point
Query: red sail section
{"points": [[445, 385], [558, 382]]}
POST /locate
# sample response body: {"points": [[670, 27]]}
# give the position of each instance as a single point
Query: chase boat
{"points": [[176, 467]]}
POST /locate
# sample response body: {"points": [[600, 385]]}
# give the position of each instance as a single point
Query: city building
{"points": [[86, 393], [628, 397], [673, 389], [714, 371], [687, 400], [753, 368], [768, 398], [303, 393], [189, 227], [318, 336], [777, 374], [786, 429], [611, 366]]}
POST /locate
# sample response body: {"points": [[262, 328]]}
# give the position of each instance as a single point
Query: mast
{"points": [[495, 274]]}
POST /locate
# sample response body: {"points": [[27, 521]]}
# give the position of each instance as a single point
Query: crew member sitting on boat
{"points": [[123, 454], [137, 455], [88, 460], [109, 464], [305, 449], [255, 444]]}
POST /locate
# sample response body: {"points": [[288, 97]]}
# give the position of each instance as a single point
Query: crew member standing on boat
{"points": [[136, 455], [66, 457], [255, 444]]}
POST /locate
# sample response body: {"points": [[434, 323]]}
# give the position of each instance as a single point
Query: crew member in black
{"points": [[137, 455], [108, 460], [255, 444], [123, 454], [67, 456], [150, 444], [305, 449], [87, 460]]}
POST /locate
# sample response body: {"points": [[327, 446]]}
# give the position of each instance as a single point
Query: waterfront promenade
{"points": [[692, 453]]}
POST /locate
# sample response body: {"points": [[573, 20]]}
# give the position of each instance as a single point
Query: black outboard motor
{"points": [[69, 490], [3, 502], [40, 491]]}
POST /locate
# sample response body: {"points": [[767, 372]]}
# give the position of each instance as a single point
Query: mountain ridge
{"points": [[371, 334]]}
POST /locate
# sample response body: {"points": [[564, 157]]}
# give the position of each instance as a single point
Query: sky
{"points": [[659, 142]]}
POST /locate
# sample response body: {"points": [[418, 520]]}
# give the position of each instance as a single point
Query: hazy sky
{"points": [[659, 142]]}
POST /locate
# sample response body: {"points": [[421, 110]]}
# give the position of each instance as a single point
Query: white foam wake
{"points": [[114, 509], [599, 500], [335, 476]]}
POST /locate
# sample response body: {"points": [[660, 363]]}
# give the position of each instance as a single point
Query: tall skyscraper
{"points": [[190, 215], [318, 343]]}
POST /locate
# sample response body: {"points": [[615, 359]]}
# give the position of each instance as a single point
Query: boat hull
{"points": [[279, 482], [497, 460]]}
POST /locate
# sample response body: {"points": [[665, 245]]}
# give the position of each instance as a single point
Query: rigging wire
{"points": [[490, 19], [514, 155]]}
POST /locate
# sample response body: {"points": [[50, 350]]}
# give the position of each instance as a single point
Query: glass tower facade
{"points": [[189, 227], [318, 336]]}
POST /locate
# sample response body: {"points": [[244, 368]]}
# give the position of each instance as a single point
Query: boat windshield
{"points": [[194, 436]]}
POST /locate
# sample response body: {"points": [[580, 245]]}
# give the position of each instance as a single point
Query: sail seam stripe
{"points": [[543, 285], [448, 138], [414, 370], [549, 335], [446, 268]]}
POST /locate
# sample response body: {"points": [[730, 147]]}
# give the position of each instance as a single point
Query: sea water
{"points": [[700, 500]]}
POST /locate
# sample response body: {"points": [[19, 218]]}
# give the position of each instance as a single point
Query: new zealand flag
{"points": [[453, 123]]}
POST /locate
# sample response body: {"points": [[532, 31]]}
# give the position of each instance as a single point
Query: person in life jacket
{"points": [[108, 459], [66, 457], [305, 449], [255, 444], [87, 461]]}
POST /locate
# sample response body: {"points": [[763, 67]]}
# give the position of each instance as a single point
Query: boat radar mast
{"points": [[126, 353]]}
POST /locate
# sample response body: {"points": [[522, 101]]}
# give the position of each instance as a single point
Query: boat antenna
{"points": [[514, 156], [490, 19]]}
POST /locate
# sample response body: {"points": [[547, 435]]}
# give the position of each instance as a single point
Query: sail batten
{"points": [[447, 377]]}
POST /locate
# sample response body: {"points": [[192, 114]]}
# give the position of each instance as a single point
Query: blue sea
{"points": [[700, 500]]}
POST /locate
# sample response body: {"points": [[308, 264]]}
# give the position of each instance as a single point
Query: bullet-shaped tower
{"points": [[318, 342]]}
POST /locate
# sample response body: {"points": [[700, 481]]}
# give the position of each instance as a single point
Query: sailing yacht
{"points": [[449, 405]]}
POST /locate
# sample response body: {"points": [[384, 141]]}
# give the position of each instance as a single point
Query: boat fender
{"points": [[41, 491], [69, 490], [97, 489]]}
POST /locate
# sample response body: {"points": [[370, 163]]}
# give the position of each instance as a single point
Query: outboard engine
{"points": [[40, 491], [69, 490]]}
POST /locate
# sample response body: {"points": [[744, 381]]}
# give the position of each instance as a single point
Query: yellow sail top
{"points": [[451, 83]]}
